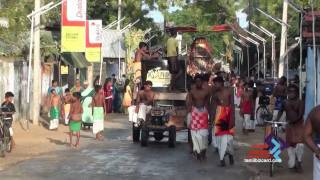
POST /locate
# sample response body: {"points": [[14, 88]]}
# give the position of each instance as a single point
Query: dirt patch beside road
{"points": [[33, 142]]}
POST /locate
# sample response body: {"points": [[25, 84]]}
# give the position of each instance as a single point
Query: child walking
{"points": [[75, 119]]}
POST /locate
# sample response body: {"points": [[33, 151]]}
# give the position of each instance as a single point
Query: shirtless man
{"points": [[312, 139], [224, 120], [197, 106], [279, 93], [294, 108], [146, 96], [75, 118], [99, 110], [246, 108], [144, 102], [141, 54], [55, 107], [67, 100]]}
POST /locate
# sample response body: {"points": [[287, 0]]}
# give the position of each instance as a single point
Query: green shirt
{"points": [[172, 45]]}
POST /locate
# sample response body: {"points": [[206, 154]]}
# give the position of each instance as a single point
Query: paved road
{"points": [[118, 158]]}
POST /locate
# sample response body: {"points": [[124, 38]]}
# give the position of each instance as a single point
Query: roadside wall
{"points": [[13, 77]]}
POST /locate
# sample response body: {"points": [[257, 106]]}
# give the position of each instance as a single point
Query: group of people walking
{"points": [[210, 103], [83, 105], [213, 102]]}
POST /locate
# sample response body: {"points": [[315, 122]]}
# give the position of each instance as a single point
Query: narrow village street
{"points": [[118, 158], [159, 90]]}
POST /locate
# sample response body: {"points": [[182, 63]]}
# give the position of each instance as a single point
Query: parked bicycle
{"points": [[275, 129], [5, 138], [262, 113]]}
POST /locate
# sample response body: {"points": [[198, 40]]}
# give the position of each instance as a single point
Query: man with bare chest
{"points": [[197, 105], [246, 108], [55, 106], [312, 139], [75, 119], [141, 54], [294, 108], [144, 102], [224, 120], [67, 100], [146, 96], [99, 111], [280, 94]]}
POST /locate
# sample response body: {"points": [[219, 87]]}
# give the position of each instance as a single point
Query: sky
{"points": [[158, 17]]}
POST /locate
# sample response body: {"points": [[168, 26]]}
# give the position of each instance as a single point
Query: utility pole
{"points": [[284, 31], [250, 14], [119, 44], [36, 67], [119, 14]]}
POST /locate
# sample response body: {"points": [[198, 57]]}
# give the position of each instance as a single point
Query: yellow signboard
{"points": [[73, 39], [93, 54], [159, 78], [64, 69]]}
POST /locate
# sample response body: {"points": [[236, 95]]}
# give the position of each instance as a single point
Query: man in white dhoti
{"points": [[55, 106], [224, 120], [197, 102], [294, 108], [312, 129], [136, 118], [144, 102], [99, 110]]}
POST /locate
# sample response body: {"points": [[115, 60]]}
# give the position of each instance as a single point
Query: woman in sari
{"points": [[77, 87], [108, 94], [127, 98], [86, 100]]}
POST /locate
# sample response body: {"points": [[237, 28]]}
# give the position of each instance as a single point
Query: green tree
{"points": [[107, 10], [203, 14], [132, 40], [19, 26], [274, 8], [16, 12]]}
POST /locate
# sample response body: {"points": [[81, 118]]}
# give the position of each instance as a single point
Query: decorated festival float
{"points": [[169, 110]]}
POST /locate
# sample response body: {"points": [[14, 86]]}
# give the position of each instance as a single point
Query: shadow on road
{"points": [[57, 142]]}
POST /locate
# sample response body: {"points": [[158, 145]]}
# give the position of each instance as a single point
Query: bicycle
{"points": [[275, 129], [262, 113], [5, 137]]}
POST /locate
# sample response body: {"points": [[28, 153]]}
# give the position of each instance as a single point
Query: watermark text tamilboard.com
{"points": [[255, 160]]}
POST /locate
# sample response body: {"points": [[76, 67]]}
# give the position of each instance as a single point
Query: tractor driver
{"points": [[144, 102]]}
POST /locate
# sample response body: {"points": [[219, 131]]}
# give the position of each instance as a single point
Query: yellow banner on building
{"points": [[93, 40], [73, 39], [64, 69], [93, 54]]}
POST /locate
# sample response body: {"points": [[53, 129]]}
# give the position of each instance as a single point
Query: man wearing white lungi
{"points": [[224, 120], [141, 115], [99, 111], [312, 129], [294, 108], [197, 102], [144, 102], [225, 145]]}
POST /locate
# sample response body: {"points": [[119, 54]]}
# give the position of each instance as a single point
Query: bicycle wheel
{"points": [[7, 139], [262, 115], [2, 144], [2, 149], [271, 169]]}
